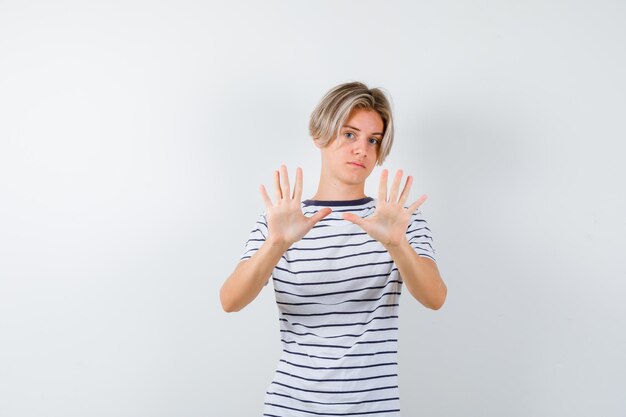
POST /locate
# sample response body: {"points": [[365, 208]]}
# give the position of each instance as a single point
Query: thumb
{"points": [[351, 217], [417, 203], [319, 215]]}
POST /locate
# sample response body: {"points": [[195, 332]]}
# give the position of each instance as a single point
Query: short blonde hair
{"points": [[336, 106]]}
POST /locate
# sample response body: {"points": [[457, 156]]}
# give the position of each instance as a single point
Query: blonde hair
{"points": [[336, 106]]}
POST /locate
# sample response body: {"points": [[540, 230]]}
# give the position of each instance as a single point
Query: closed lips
{"points": [[357, 164]]}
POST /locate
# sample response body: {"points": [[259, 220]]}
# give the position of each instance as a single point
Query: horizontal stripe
{"points": [[337, 392], [336, 379], [319, 326], [356, 300], [412, 238], [368, 342], [361, 342], [348, 245], [333, 403], [417, 229], [315, 344], [260, 231], [336, 281], [384, 352], [338, 203], [415, 246], [333, 414], [332, 236], [351, 209], [314, 271], [335, 258], [339, 312], [326, 294], [339, 367], [340, 335]]}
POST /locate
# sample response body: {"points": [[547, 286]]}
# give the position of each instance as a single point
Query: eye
{"points": [[349, 135], [375, 141]]}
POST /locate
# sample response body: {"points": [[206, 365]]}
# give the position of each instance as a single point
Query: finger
{"points": [[382, 187], [395, 186], [277, 193], [297, 189], [265, 197], [405, 192], [353, 218], [417, 203], [319, 215], [284, 182]]}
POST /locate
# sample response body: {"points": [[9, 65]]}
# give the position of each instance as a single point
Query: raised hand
{"points": [[389, 222], [285, 220]]}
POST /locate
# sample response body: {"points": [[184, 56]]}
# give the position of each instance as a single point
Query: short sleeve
{"points": [[420, 237], [256, 238]]}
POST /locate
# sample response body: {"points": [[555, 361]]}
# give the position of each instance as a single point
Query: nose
{"points": [[360, 147]]}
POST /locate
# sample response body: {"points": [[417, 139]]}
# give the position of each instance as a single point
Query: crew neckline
{"points": [[338, 203]]}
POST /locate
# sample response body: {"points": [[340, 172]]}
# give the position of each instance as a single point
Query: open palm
{"points": [[391, 219], [285, 221]]}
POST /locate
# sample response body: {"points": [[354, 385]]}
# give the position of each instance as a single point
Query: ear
{"points": [[317, 143]]}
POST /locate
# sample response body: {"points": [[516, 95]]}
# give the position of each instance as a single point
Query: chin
{"points": [[356, 179]]}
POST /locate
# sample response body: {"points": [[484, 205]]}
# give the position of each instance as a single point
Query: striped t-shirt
{"points": [[338, 294]]}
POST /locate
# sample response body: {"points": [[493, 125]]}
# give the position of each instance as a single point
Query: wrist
{"points": [[278, 243], [396, 246]]}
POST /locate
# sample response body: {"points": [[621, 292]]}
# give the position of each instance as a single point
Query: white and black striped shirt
{"points": [[338, 293]]}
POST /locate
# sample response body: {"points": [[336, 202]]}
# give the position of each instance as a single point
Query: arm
{"points": [[250, 275], [420, 274], [286, 225], [388, 225]]}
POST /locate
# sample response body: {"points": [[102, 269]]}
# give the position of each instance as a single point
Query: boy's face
{"points": [[351, 156]]}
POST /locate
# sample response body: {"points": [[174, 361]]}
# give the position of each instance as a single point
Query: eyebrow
{"points": [[358, 130]]}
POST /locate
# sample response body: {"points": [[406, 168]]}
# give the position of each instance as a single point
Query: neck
{"points": [[333, 190]]}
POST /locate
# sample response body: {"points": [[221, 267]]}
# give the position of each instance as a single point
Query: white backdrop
{"points": [[134, 136]]}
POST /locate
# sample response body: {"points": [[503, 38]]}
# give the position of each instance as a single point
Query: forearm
{"points": [[420, 275], [249, 277]]}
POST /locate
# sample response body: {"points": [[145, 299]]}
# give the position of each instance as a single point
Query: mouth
{"points": [[356, 164]]}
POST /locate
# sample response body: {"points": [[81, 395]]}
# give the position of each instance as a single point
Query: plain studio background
{"points": [[134, 137]]}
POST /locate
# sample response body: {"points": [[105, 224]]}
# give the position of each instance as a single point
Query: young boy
{"points": [[338, 262]]}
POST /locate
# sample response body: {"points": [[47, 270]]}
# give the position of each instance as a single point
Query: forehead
{"points": [[365, 120]]}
